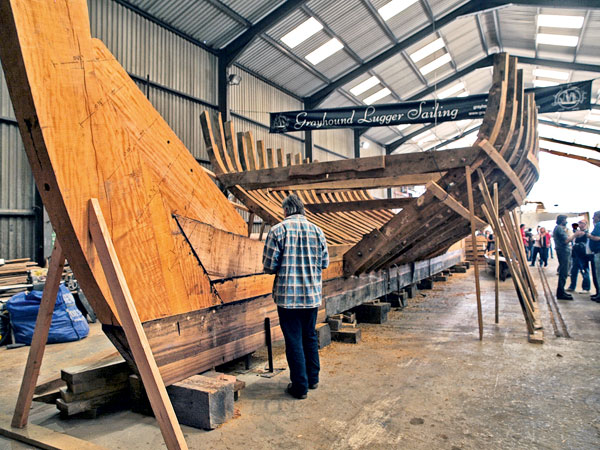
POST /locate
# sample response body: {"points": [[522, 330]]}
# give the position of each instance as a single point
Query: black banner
{"points": [[564, 97]]}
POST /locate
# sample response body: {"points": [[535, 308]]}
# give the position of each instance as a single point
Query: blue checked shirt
{"points": [[296, 252]]}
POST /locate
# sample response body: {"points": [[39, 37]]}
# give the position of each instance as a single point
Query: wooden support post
{"points": [[497, 255], [132, 326], [250, 224], [40, 336], [474, 243], [262, 230]]}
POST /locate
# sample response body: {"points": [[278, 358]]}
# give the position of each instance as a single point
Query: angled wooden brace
{"points": [[452, 203]]}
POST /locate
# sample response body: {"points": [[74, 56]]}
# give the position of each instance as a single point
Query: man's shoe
{"points": [[313, 386], [564, 296], [289, 391], [595, 298]]}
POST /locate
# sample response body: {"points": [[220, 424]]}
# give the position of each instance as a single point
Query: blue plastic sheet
{"points": [[68, 324]]}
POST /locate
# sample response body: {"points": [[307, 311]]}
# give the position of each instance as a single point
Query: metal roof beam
{"points": [[389, 148], [471, 7], [564, 4], [586, 21], [239, 44], [484, 42], [568, 127], [566, 65]]}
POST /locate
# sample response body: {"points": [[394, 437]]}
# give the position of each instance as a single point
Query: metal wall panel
{"points": [[6, 109], [16, 192]]}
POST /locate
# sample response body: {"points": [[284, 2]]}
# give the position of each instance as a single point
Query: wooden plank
{"points": [[474, 243], [374, 183], [454, 204], [40, 336], [44, 438], [138, 342], [503, 166], [361, 205], [497, 265], [359, 168]]}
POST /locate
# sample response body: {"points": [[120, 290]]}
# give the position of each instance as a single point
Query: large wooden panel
{"points": [[89, 132]]}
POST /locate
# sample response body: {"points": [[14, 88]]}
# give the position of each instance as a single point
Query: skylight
{"points": [[556, 21], [403, 126], [377, 96], [427, 50], [451, 91], [555, 74], [302, 32], [365, 85], [544, 83], [324, 51], [445, 58], [557, 39], [394, 7]]}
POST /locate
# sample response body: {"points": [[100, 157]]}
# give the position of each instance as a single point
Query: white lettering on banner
{"points": [[382, 119], [301, 121], [437, 112]]}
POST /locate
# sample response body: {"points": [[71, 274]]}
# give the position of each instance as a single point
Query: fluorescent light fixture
{"points": [[394, 7], [464, 94], [557, 39], [427, 50], [302, 32], [324, 51], [377, 96], [445, 58], [365, 85], [404, 126], [556, 74], [544, 83], [556, 21], [452, 90]]}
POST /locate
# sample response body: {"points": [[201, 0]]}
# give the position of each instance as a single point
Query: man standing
{"points": [[581, 260], [296, 252], [594, 240], [563, 253]]}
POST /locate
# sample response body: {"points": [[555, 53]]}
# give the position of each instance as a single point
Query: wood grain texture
{"points": [[89, 132]]}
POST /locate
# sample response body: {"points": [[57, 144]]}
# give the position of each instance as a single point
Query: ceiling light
{"points": [[556, 21], [544, 83], [556, 74], [377, 96], [324, 51], [557, 39], [452, 90], [365, 85], [394, 7], [302, 32], [427, 50], [365, 144], [404, 126], [445, 58]]}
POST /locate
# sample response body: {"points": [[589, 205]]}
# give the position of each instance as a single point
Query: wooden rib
{"points": [[502, 165], [454, 204]]}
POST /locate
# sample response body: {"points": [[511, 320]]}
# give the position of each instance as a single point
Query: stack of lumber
{"points": [[14, 273], [470, 254], [89, 389]]}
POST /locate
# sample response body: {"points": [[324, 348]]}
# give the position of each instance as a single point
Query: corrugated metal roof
{"points": [[253, 10]]}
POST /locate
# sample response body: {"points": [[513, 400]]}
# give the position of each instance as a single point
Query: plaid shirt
{"points": [[296, 251]]}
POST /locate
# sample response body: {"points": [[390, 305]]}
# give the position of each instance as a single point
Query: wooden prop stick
{"points": [[474, 244], [250, 224], [497, 266], [521, 247], [132, 326], [40, 336]]}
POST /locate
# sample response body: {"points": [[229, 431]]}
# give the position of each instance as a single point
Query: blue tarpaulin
{"points": [[68, 324]]}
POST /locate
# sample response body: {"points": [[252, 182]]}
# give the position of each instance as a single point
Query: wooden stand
{"points": [[130, 321]]}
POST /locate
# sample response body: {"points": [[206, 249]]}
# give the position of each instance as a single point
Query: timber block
{"points": [[81, 379], [238, 384], [459, 269], [467, 264], [323, 334], [425, 284], [349, 317], [375, 312], [447, 273], [411, 290], [439, 277], [203, 402], [347, 335], [334, 324], [397, 299]]}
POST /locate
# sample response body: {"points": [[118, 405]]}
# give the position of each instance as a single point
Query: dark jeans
{"points": [[564, 256], [595, 272], [580, 264], [543, 252], [301, 346]]}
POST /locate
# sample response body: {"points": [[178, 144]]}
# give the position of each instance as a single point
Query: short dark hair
{"points": [[561, 219], [292, 205]]}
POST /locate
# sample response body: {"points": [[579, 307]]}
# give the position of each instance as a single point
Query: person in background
{"points": [[594, 244], [563, 253], [540, 247], [525, 241], [490, 243], [530, 242], [580, 260], [296, 252]]}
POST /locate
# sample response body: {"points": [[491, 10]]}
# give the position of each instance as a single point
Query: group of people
{"points": [[577, 251], [538, 244]]}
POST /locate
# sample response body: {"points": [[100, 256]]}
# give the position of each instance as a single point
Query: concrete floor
{"points": [[423, 380]]}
